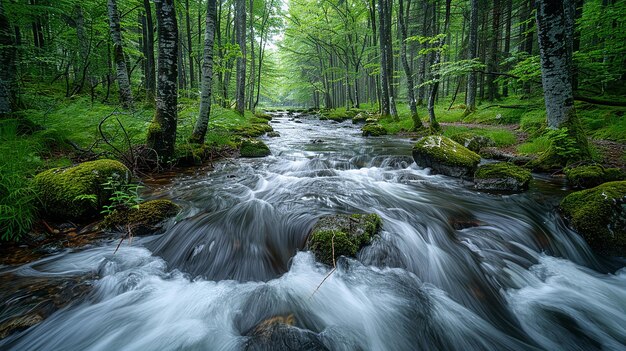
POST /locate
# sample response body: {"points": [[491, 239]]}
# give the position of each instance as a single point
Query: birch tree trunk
{"points": [[472, 50], [200, 129], [240, 29], [7, 60], [162, 130], [123, 81], [555, 36]]}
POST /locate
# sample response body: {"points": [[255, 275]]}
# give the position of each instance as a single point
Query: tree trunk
{"points": [[492, 63], [384, 79], [162, 131], [403, 22], [149, 52], [200, 129], [554, 32], [472, 50], [252, 78], [192, 77], [507, 43], [240, 29], [123, 81], [7, 60], [434, 125]]}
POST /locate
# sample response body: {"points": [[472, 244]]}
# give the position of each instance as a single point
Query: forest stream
{"points": [[453, 268]]}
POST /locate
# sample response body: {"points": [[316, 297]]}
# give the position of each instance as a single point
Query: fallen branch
{"points": [[599, 101], [506, 106]]}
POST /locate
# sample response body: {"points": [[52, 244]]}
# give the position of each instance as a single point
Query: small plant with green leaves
{"points": [[123, 195], [562, 144]]}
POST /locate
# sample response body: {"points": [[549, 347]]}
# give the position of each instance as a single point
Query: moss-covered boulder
{"points": [[78, 192], [373, 129], [263, 115], [588, 176], [253, 130], [472, 141], [273, 134], [253, 148], [446, 156], [502, 176], [361, 117], [599, 215], [146, 218], [347, 233]]}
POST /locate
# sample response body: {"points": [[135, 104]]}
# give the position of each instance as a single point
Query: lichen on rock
{"points": [[444, 155], [144, 219], [253, 148], [599, 215], [502, 176], [77, 192], [346, 234]]}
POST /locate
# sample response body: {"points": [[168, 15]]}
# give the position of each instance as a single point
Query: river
{"points": [[452, 269]]}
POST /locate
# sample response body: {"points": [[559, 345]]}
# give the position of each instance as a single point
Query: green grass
{"points": [[534, 146], [502, 137]]}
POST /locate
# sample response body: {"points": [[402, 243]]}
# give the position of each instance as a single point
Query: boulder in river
{"points": [[502, 176], [588, 176], [279, 334], [253, 148], [599, 215], [147, 218], [373, 129], [78, 192], [446, 156], [361, 117], [346, 234]]}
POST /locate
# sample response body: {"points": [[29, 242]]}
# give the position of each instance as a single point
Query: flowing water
{"points": [[453, 268]]}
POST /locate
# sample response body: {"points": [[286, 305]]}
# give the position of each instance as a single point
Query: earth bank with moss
{"points": [[599, 215], [445, 156], [146, 218], [78, 192], [502, 176], [347, 233]]}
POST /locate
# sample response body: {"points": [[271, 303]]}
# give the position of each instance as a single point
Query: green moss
{"points": [[263, 115], [76, 192], [361, 117], [446, 151], [190, 154], [588, 176], [346, 234], [373, 129], [143, 218], [253, 148], [599, 215], [503, 170]]}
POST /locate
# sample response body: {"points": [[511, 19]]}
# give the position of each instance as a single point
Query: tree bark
{"points": [[123, 81], [384, 78], [472, 50], [403, 23], [162, 131], [192, 77], [149, 52], [492, 63], [240, 29], [434, 125], [7, 60], [251, 81], [200, 129]]}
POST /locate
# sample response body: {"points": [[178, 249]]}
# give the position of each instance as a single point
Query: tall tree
{"points": [[240, 29], [434, 125], [7, 60], [148, 51], [385, 80], [555, 35], [162, 131], [403, 24], [123, 81], [200, 129], [472, 53], [192, 77]]}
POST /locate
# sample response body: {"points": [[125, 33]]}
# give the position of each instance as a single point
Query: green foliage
{"points": [[502, 137], [124, 195], [561, 143]]}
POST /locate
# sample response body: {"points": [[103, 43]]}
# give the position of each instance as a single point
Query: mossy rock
{"points": [[77, 192], [599, 215], [190, 154], [373, 129], [263, 115], [502, 176], [588, 176], [472, 141], [347, 233], [253, 148], [361, 117], [445, 156], [371, 120], [253, 130], [273, 134], [146, 218]]}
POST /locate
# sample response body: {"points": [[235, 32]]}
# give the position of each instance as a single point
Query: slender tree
{"points": [[240, 29], [162, 131], [472, 54], [434, 125], [555, 35], [123, 81], [200, 129], [403, 23], [150, 82], [385, 109], [7, 60]]}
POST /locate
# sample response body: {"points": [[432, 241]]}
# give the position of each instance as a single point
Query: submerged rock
{"points": [[502, 176], [346, 234], [279, 334], [78, 192], [446, 156], [146, 218], [373, 129], [254, 148], [588, 176], [599, 215]]}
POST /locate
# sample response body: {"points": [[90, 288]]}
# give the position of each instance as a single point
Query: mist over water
{"points": [[453, 268]]}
